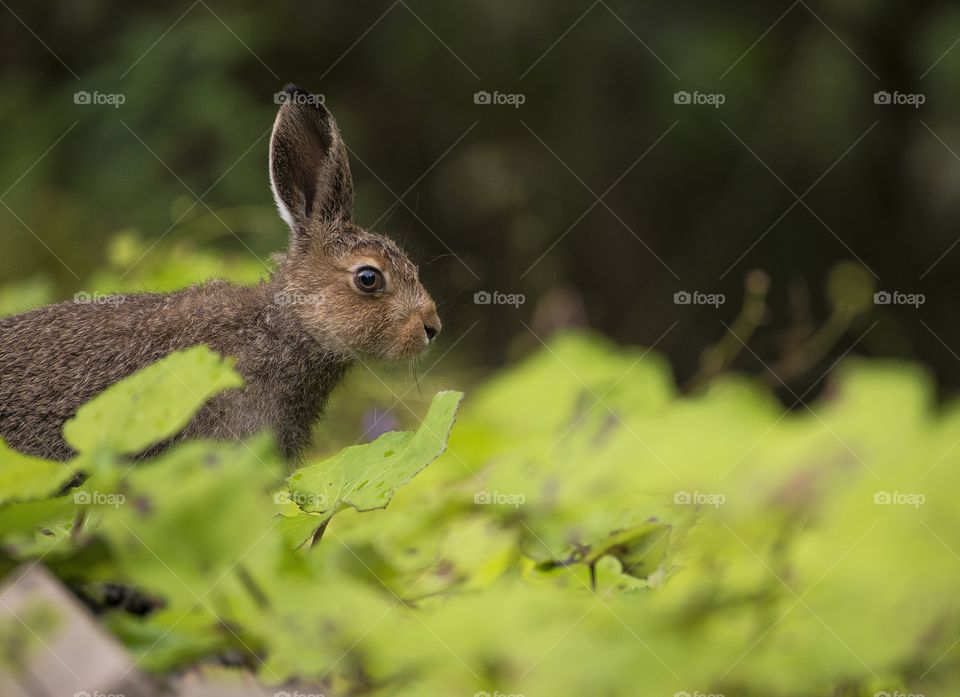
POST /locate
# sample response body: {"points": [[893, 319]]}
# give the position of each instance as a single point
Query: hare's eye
{"points": [[368, 279]]}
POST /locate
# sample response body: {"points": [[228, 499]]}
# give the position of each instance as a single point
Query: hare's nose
{"points": [[431, 324]]}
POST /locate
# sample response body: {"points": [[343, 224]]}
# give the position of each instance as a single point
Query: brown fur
{"points": [[294, 335]]}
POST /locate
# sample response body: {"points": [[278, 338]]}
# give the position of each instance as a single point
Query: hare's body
{"points": [[340, 293], [56, 358]]}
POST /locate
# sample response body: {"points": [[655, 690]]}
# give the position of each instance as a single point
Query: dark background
{"points": [[505, 199]]}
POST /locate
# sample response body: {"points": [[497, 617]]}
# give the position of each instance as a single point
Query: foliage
{"points": [[589, 530]]}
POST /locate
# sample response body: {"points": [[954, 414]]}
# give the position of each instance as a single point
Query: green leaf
{"points": [[190, 516], [24, 478], [640, 549], [152, 405], [365, 477], [20, 518]]}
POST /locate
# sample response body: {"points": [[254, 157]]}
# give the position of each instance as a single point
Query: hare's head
{"points": [[355, 291]]}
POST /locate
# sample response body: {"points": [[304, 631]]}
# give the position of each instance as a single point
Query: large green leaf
{"points": [[191, 515], [365, 477], [24, 478], [153, 404]]}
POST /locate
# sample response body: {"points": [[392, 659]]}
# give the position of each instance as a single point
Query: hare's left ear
{"points": [[309, 171]]}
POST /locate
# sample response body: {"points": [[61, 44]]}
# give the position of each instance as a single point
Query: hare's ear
{"points": [[309, 171]]}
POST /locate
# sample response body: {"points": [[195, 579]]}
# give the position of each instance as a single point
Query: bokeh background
{"points": [[598, 198]]}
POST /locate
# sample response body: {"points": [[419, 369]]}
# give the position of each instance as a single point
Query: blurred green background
{"points": [[502, 198]]}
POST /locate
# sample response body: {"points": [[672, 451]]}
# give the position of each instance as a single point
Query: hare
{"points": [[339, 294]]}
